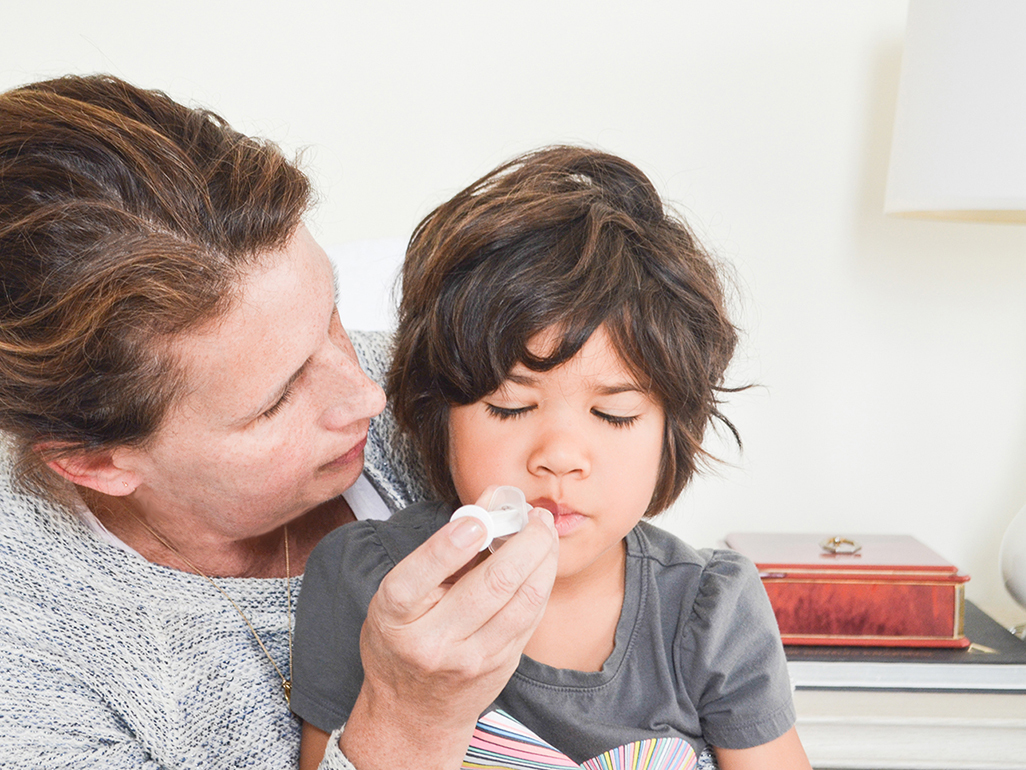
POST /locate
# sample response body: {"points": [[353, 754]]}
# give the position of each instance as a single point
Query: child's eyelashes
{"points": [[507, 413], [511, 413], [616, 420]]}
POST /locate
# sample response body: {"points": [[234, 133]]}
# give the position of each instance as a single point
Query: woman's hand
{"points": [[436, 653]]}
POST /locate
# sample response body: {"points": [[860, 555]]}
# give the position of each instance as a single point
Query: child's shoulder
{"points": [[648, 541], [390, 540], [694, 576]]}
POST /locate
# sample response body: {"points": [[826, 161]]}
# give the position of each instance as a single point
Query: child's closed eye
{"points": [[507, 413], [619, 421]]}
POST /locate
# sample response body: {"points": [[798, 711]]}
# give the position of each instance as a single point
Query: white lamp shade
{"points": [[959, 145]]}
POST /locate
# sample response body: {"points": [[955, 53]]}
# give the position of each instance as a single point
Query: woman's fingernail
{"points": [[467, 532], [546, 515]]}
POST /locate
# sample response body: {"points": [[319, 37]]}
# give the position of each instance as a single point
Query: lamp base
{"points": [[1013, 557]]}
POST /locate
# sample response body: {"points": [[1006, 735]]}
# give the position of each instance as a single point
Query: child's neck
{"points": [[578, 630]]}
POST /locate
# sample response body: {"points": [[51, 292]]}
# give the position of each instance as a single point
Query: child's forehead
{"points": [[598, 359], [544, 343]]}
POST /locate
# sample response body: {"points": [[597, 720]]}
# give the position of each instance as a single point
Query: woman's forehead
{"points": [[280, 313]]}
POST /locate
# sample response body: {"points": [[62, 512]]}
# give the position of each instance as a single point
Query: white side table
{"points": [[892, 730]]}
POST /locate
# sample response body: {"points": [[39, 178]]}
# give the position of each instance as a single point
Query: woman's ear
{"points": [[99, 470]]}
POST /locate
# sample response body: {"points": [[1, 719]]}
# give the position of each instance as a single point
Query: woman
{"points": [[186, 419]]}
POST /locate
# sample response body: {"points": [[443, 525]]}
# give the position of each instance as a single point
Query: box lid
{"points": [[879, 555]]}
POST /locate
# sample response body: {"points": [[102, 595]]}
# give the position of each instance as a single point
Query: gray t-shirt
{"points": [[697, 653]]}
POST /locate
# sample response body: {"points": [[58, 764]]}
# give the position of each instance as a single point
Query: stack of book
{"points": [[994, 661]]}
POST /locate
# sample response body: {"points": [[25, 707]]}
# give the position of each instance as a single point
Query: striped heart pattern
{"points": [[501, 743]]}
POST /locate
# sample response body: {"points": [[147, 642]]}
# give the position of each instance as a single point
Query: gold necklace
{"points": [[286, 682]]}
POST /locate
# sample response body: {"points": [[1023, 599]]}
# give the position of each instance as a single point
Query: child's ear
{"points": [[99, 470]]}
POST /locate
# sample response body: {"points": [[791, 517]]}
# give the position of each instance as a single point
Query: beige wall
{"points": [[891, 354]]}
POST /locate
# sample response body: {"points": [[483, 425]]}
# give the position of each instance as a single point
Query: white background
{"points": [[890, 354]]}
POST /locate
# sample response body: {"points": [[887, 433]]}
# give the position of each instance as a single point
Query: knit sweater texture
{"points": [[110, 661]]}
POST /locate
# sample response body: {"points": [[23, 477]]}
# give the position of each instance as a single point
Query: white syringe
{"points": [[505, 516]]}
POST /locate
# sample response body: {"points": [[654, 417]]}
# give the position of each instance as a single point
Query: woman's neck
{"points": [[200, 551], [578, 630]]}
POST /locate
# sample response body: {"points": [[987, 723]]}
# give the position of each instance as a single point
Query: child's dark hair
{"points": [[572, 238]]}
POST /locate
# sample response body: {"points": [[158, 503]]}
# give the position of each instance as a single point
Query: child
{"points": [[561, 333]]}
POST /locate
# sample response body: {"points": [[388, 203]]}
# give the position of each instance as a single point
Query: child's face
{"points": [[583, 440]]}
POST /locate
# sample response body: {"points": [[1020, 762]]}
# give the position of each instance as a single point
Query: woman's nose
{"points": [[560, 450], [357, 398], [353, 395]]}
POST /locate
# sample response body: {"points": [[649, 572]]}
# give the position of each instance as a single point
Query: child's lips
{"points": [[565, 518]]}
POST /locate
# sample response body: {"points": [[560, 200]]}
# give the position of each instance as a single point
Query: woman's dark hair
{"points": [[573, 239], [125, 219]]}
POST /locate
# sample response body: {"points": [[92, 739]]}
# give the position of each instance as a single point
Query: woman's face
{"points": [[275, 414]]}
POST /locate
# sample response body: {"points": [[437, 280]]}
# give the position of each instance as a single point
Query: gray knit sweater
{"points": [[109, 661]]}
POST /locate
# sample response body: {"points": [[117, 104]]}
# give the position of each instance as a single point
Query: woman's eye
{"points": [[616, 420], [279, 404], [507, 413]]}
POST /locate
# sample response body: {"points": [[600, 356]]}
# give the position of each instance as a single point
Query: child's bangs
{"points": [[500, 318]]}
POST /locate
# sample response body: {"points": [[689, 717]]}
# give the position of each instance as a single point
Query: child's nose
{"points": [[560, 451]]}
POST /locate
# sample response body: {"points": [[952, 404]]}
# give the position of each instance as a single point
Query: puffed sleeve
{"points": [[731, 658], [342, 574]]}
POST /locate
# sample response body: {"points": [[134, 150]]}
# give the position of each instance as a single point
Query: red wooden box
{"points": [[891, 591]]}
